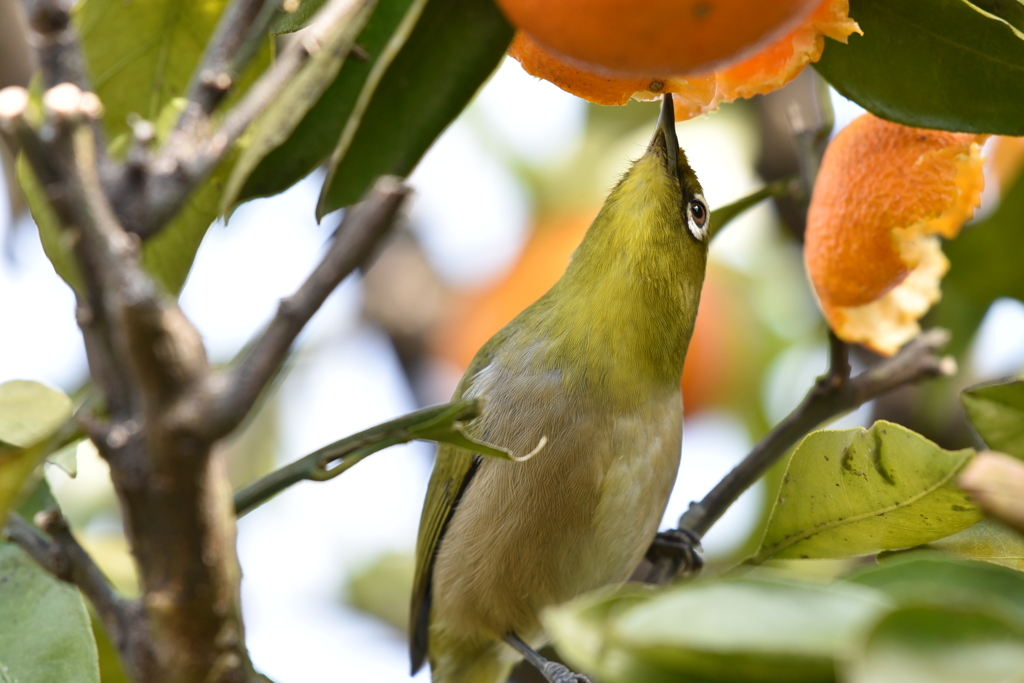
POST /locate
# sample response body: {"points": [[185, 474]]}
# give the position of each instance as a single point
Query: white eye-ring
{"points": [[697, 217]]}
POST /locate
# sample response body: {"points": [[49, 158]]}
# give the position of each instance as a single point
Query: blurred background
{"points": [[501, 201]]}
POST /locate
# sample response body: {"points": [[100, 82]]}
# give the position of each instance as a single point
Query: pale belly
{"points": [[579, 515]]}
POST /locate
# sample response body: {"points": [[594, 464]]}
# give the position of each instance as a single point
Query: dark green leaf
{"points": [[932, 64], [958, 584], [289, 22], [317, 134], [935, 645], [44, 629], [997, 411], [859, 491], [278, 121], [453, 49]]}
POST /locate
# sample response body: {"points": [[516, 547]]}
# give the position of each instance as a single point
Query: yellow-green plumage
{"points": [[593, 367]]}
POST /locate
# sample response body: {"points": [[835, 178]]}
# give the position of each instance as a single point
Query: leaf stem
{"points": [[784, 187]]}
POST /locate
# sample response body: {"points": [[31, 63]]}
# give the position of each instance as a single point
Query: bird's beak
{"points": [[665, 136]]}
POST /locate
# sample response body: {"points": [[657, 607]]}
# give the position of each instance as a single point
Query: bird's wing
{"points": [[453, 470]]}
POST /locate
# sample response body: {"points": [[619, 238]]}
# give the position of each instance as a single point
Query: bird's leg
{"points": [[553, 672], [672, 553]]}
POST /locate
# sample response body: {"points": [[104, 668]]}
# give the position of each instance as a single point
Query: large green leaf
{"points": [[278, 121], [30, 413], [44, 628], [751, 630], [997, 411], [453, 49], [970, 288], [941, 64], [988, 541], [311, 142], [859, 491], [938, 581], [936, 645]]}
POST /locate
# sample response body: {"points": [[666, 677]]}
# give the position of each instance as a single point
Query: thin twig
{"points": [[827, 400], [63, 557], [784, 187], [333, 459], [235, 391]]}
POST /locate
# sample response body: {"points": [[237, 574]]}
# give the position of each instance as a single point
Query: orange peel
{"points": [[698, 94], [884, 195]]}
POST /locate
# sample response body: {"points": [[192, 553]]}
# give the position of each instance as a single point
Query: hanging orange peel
{"points": [[884, 195], [698, 94]]}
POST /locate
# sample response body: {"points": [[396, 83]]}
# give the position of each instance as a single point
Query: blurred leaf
{"points": [[988, 541], [942, 582], [29, 414], [748, 630], [933, 64], [141, 55], [997, 411], [311, 142], [44, 629], [934, 645], [985, 265], [289, 22], [278, 121], [66, 458], [453, 49], [111, 670], [859, 491], [383, 588]]}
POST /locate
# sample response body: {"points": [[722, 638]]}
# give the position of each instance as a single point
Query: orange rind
{"points": [[884, 195], [697, 94]]}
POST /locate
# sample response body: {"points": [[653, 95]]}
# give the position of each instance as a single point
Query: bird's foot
{"points": [[674, 553], [560, 673]]}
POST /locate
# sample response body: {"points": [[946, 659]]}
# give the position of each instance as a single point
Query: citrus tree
{"points": [[147, 121]]}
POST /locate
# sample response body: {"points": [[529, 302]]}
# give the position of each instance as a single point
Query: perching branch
{"points": [[235, 392], [333, 459], [834, 394], [62, 556]]}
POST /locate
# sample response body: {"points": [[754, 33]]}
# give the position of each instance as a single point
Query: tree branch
{"points": [[834, 394], [333, 459], [236, 391], [63, 557]]}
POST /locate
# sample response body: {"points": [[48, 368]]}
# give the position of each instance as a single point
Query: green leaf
{"points": [[939, 646], [290, 22], [383, 587], [44, 628], [997, 411], [317, 134], [988, 541], [30, 413], [141, 55], [968, 289], [750, 630], [454, 48], [275, 124], [859, 491], [942, 582], [933, 64]]}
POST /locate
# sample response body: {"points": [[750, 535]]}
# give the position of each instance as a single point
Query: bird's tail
{"points": [[458, 660]]}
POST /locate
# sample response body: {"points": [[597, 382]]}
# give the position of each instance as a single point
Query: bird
{"points": [[583, 390]]}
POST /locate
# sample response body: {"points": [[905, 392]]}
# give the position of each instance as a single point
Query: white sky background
{"points": [[297, 550]]}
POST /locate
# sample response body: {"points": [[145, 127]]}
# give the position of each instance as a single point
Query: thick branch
{"points": [[57, 45], [831, 397], [235, 392], [62, 556]]}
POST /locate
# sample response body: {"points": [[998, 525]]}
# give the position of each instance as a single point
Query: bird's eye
{"points": [[697, 217]]}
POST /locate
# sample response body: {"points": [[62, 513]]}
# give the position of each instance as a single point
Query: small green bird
{"points": [[591, 372]]}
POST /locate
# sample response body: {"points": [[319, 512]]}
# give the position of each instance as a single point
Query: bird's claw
{"points": [[674, 553], [560, 673]]}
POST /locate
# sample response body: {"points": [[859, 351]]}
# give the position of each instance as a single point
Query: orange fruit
{"points": [[659, 37], [772, 68], [883, 195]]}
